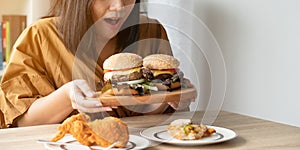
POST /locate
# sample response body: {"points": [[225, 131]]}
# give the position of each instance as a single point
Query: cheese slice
{"points": [[108, 75], [159, 72]]}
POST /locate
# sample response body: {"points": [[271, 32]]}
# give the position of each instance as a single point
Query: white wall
{"points": [[34, 9], [39, 9], [260, 43], [13, 7]]}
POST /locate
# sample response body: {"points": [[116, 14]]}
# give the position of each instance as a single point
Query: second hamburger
{"points": [[162, 71]]}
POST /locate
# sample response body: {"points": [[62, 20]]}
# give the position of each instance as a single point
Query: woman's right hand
{"points": [[80, 95]]}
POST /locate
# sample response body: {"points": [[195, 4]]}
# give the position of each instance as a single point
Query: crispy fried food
{"points": [[184, 129], [113, 129], [100, 132]]}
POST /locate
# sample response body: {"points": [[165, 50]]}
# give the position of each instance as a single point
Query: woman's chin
{"points": [[110, 35]]}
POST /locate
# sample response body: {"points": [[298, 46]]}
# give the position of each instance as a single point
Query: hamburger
{"points": [[162, 71], [123, 75]]}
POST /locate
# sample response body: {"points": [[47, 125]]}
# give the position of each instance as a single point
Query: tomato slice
{"points": [[106, 70]]}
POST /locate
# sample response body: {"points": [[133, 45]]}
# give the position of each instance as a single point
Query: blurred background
{"points": [[258, 41]]}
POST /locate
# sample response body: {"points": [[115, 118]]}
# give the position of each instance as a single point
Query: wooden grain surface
{"points": [[252, 133], [158, 97]]}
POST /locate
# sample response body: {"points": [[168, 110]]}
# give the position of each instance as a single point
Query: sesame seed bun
{"points": [[160, 61], [123, 61]]}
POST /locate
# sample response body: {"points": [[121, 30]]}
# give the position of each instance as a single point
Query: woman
{"points": [[48, 76]]}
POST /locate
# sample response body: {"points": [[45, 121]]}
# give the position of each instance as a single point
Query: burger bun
{"points": [[160, 62], [123, 61]]}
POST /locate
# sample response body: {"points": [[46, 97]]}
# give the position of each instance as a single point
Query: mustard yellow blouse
{"points": [[40, 64]]}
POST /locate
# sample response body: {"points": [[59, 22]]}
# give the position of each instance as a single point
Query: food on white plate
{"points": [[101, 132], [184, 129]]}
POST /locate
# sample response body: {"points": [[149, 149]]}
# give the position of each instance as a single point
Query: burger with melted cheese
{"points": [[122, 74], [162, 71]]}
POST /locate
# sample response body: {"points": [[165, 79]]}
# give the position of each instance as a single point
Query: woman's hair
{"points": [[75, 19]]}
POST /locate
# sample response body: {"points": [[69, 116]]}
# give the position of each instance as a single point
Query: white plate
{"points": [[135, 142], [160, 134]]}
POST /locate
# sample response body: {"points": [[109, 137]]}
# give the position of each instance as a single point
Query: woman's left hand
{"points": [[181, 105], [81, 94]]}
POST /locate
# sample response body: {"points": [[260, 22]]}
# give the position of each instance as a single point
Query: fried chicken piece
{"points": [[100, 132], [184, 129], [112, 129]]}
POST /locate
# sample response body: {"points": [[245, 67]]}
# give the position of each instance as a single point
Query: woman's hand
{"points": [[180, 106], [80, 95], [183, 105], [56, 106]]}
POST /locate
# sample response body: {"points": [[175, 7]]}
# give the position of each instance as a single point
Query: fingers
{"points": [[89, 106], [173, 104], [87, 103], [93, 110], [79, 95], [180, 105], [187, 82], [83, 86]]}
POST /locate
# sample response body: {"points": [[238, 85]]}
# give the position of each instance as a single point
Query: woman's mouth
{"points": [[112, 21]]}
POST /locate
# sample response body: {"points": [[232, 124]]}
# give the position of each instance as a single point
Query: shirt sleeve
{"points": [[25, 78]]}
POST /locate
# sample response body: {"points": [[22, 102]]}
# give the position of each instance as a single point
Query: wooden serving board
{"points": [[157, 97]]}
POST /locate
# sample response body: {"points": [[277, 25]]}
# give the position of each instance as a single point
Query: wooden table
{"points": [[252, 133]]}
